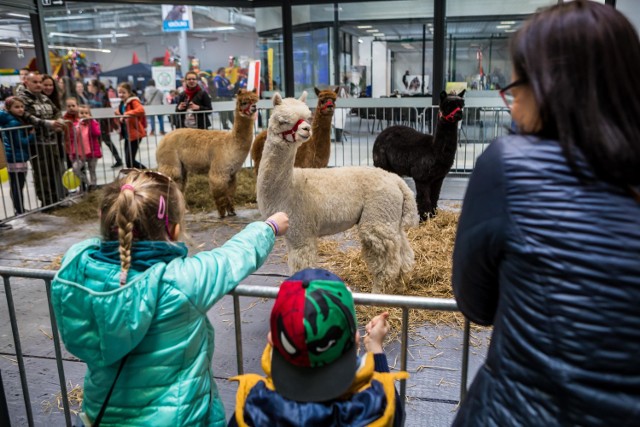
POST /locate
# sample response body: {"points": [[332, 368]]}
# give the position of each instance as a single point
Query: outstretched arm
{"points": [[217, 272]]}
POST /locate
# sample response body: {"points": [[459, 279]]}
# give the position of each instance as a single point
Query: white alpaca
{"points": [[321, 202]]}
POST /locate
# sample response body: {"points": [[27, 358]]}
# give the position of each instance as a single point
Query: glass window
{"points": [[477, 45], [377, 43]]}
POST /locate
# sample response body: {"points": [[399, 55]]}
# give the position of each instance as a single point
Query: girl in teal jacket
{"points": [[136, 293]]}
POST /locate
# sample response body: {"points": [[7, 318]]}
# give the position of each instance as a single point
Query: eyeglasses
{"points": [[163, 203], [507, 94]]}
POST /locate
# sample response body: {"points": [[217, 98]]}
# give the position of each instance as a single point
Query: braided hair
{"points": [[130, 210]]}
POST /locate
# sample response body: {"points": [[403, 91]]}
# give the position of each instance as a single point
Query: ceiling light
{"points": [[507, 22], [378, 35], [52, 46], [512, 30], [18, 15], [85, 49], [360, 41], [212, 29], [372, 31], [113, 35], [502, 27], [362, 27]]}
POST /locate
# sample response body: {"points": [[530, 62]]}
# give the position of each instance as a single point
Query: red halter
{"points": [[450, 117], [247, 110], [292, 131], [327, 104]]}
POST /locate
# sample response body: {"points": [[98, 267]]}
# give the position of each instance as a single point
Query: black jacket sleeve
{"points": [[480, 239]]}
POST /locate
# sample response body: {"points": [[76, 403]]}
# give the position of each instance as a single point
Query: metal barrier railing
{"points": [[404, 302], [352, 144]]}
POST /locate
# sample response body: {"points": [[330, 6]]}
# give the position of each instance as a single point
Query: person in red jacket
{"points": [[89, 132], [133, 124]]}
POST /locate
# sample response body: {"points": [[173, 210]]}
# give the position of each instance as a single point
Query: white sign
{"points": [[176, 18], [165, 78]]}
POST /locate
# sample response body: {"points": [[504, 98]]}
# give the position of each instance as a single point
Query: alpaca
{"points": [[322, 202], [316, 151], [425, 158], [216, 152]]}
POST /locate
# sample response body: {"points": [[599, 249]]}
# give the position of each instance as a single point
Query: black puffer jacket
{"points": [[554, 265]]}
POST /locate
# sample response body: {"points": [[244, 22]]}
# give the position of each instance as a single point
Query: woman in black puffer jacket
{"points": [[548, 245]]}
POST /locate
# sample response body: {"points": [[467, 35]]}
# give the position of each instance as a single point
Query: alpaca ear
{"points": [[337, 90], [303, 97], [277, 99], [317, 91], [461, 94], [255, 90], [443, 95]]}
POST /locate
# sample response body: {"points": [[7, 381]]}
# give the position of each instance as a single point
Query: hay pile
{"points": [[197, 196], [83, 209], [432, 243]]}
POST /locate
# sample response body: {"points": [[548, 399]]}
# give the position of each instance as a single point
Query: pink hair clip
{"points": [[127, 187]]}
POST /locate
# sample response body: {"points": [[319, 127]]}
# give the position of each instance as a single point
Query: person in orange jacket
{"points": [[133, 124]]}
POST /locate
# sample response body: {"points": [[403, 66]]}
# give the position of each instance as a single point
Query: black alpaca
{"points": [[425, 158]]}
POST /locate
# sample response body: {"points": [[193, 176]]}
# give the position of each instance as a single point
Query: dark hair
{"points": [[55, 95], [151, 82], [221, 69], [190, 72], [581, 60]]}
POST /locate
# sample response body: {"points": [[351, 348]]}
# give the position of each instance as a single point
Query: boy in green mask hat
{"points": [[313, 371]]}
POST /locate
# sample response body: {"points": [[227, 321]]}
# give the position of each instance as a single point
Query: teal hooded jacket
{"points": [[159, 318]]}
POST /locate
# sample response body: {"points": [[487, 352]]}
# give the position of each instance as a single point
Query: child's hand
{"points": [[281, 219], [376, 330]]}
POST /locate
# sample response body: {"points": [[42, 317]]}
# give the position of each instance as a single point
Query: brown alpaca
{"points": [[216, 152], [316, 151]]}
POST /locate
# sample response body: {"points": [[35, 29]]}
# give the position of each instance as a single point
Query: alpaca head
{"points": [[290, 119], [451, 106], [246, 102], [326, 101]]}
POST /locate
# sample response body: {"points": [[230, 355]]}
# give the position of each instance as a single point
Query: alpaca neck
{"points": [[242, 133], [275, 176], [320, 129], [446, 134], [446, 131]]}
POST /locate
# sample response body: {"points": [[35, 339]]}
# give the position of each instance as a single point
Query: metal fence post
{"points": [[18, 347]]}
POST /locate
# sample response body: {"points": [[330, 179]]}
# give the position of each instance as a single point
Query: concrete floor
{"points": [[39, 240]]}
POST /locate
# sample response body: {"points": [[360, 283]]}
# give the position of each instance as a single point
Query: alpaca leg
{"points": [[381, 250], [423, 198], [434, 193], [218, 187], [176, 172], [183, 179], [407, 259], [231, 191], [302, 253]]}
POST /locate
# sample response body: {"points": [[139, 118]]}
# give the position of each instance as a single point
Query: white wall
{"points": [[380, 80]]}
